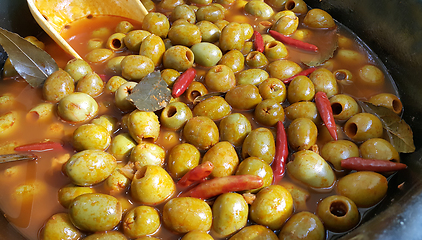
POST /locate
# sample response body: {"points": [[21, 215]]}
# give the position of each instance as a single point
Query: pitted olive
{"points": [[230, 213], [335, 151], [256, 59], [59, 226], [91, 136], [178, 57], [175, 115], [224, 158], [303, 225], [77, 107], [234, 128], [214, 107], [269, 112], [143, 125], [195, 89], [259, 143], [273, 88], [122, 145], [58, 85], [286, 22], [363, 126], [387, 100], [182, 158], [201, 132], [311, 169], [258, 167], [338, 213], [156, 23], [141, 221], [275, 50], [121, 94], [302, 134], [296, 6], [343, 106], [220, 78], [177, 210], [146, 153], [206, 54], [95, 212], [379, 148]]}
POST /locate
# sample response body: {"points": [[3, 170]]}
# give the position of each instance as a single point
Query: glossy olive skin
{"points": [[124, 27], [296, 6], [275, 50], [364, 188], [343, 106], [143, 125], [177, 210], [251, 76], [175, 115], [99, 55], [146, 153], [302, 133], [185, 34], [258, 167], [195, 89], [89, 167], [109, 235], [318, 18], [182, 158], [283, 69], [300, 195], [220, 78], [324, 81], [58, 85], [153, 48], [303, 225], [286, 23], [243, 97], [224, 158], [255, 232], [114, 83], [134, 39], [77, 107], [117, 182], [179, 58], [91, 136], [303, 110], [115, 42], [234, 128], [259, 9], [169, 76], [209, 31], [371, 76], [335, 151], [195, 234], [122, 145], [136, 67], [379, 148], [272, 207], [300, 88], [141, 221], [387, 100], [70, 192], [254, 142], [121, 94], [363, 126], [269, 112], [338, 213], [201, 132], [214, 107], [108, 122], [230, 213], [206, 54], [232, 37], [152, 185], [233, 59], [156, 23], [311, 169], [183, 12], [273, 88], [210, 13], [91, 84], [59, 226], [77, 68]]}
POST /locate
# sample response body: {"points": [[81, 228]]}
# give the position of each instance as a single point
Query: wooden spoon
{"points": [[54, 15]]}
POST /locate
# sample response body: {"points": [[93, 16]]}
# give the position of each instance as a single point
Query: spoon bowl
{"points": [[54, 15]]}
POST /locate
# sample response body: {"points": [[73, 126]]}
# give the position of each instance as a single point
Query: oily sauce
{"points": [[39, 181]]}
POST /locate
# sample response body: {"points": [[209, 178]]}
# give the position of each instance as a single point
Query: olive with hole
{"points": [[77, 108], [182, 158], [224, 158], [230, 213], [387, 100], [175, 115], [363, 126], [311, 169], [269, 112], [141, 221], [195, 89], [275, 50], [256, 59], [302, 134], [379, 148], [258, 167], [156, 23], [335, 151], [303, 225], [296, 6], [201, 132], [121, 94], [146, 153], [115, 42], [273, 88], [343, 106], [338, 213], [95, 212], [58, 85], [214, 107], [234, 128], [220, 78], [243, 97], [259, 143], [178, 57], [143, 125], [59, 226]]}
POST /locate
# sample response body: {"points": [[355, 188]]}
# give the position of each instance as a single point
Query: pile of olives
{"points": [[124, 151]]}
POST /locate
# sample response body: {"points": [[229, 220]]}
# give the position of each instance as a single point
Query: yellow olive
{"points": [[387, 100], [302, 134], [230, 213], [363, 126], [259, 143], [335, 151], [318, 18], [224, 158], [303, 225], [255, 232], [338, 213]]}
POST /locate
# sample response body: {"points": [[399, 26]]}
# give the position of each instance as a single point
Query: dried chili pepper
{"points": [[220, 185], [305, 72], [293, 42], [281, 153], [39, 147], [324, 108], [197, 174], [258, 41], [182, 83], [362, 164]]}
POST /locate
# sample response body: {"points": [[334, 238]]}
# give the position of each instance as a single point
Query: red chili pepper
{"points": [[293, 42], [361, 164], [258, 41], [196, 175], [281, 153], [220, 185], [182, 83], [324, 108], [305, 72], [39, 147]]}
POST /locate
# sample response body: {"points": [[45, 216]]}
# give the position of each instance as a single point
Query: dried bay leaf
{"points": [[31, 62], [151, 93], [399, 132], [326, 48]]}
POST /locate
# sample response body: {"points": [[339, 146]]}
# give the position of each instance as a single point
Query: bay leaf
{"points": [[399, 132], [32, 63], [326, 48], [151, 93], [17, 157]]}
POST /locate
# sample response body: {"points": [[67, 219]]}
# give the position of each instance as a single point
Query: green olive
{"points": [[272, 207], [232, 37], [296, 6], [108, 122], [302, 134], [99, 55], [59, 226], [77, 68], [209, 31], [77, 107], [143, 125], [124, 27], [201, 132], [210, 13], [258, 167], [91, 136], [269, 112], [324, 81], [175, 115], [153, 48], [256, 59], [94, 43], [95, 212], [303, 225], [214, 107], [134, 39], [335, 151], [121, 146], [378, 148], [300, 88], [89, 167], [156, 23], [196, 234], [169, 5], [169, 76], [233, 59], [152, 185], [206, 54], [234, 128], [195, 89], [259, 9], [303, 110], [230, 213], [318, 18], [251, 76], [220, 78], [179, 58], [136, 67], [275, 50], [183, 12], [109, 235], [70, 192], [259, 143], [343, 106], [141, 221], [224, 158], [254, 232], [117, 182], [286, 22], [363, 126], [115, 42], [338, 213], [182, 158], [300, 195], [273, 88], [121, 94], [177, 210], [146, 153], [185, 34], [387, 100], [311, 169], [283, 69], [113, 84], [57, 86], [91, 84]]}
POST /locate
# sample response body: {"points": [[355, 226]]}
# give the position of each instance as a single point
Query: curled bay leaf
{"points": [[151, 93], [17, 157], [399, 132], [327, 45], [32, 63]]}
